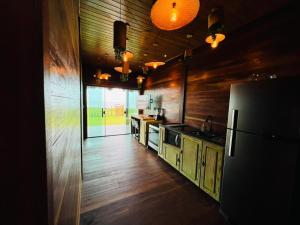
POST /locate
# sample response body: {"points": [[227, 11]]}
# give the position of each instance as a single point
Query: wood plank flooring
{"points": [[127, 184]]}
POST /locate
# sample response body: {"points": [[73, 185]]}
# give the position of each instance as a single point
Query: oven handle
{"points": [[176, 140]]}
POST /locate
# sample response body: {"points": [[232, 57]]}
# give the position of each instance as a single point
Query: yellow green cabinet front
{"points": [[171, 155], [190, 158], [211, 169]]}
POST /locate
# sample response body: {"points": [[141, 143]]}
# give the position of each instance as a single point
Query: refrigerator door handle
{"points": [[234, 117]]}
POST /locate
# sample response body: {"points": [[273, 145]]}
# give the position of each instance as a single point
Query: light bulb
{"points": [[125, 58], [214, 44], [154, 65], [173, 15]]}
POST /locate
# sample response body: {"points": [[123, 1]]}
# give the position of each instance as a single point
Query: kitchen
{"points": [[158, 113], [185, 117]]}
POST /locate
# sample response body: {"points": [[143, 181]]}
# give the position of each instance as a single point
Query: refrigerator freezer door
{"points": [[258, 180], [266, 108]]}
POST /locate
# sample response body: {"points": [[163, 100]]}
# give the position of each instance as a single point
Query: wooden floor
{"points": [[127, 184]]}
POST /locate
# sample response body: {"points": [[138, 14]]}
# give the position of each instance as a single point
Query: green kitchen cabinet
{"points": [[172, 155], [211, 169], [161, 152], [190, 158]]}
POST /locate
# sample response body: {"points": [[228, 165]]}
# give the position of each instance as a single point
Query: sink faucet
{"points": [[208, 118]]}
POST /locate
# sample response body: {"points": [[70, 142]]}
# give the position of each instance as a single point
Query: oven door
{"points": [[153, 137], [173, 138]]}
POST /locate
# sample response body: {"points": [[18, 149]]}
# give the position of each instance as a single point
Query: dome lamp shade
{"points": [[173, 14]]}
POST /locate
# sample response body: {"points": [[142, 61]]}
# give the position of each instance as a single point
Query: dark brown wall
{"points": [[168, 83], [23, 155], [263, 47], [62, 110]]}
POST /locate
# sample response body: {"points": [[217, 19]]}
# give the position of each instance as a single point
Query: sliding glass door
{"points": [[109, 110]]}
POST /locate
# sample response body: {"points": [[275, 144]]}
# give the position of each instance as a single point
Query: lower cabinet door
{"points": [[143, 130], [211, 169], [190, 159], [172, 155]]}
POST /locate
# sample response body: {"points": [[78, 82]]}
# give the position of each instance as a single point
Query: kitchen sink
{"points": [[203, 134]]}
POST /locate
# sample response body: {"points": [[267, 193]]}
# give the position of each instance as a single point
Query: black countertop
{"points": [[197, 133]]}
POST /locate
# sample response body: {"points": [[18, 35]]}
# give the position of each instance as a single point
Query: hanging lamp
{"points": [[102, 76], [188, 52], [215, 27], [127, 55], [173, 14], [155, 63], [140, 80], [120, 69], [120, 32]]}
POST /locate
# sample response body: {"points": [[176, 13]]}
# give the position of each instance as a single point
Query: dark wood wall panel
{"points": [[168, 82], [22, 160], [62, 107], [262, 47]]}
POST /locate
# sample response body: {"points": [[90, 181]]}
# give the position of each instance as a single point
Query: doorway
{"points": [[109, 110]]}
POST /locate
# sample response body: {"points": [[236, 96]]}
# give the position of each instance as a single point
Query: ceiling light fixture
{"points": [[102, 76], [154, 63], [140, 80], [215, 27], [120, 69], [120, 32], [173, 14], [127, 55]]}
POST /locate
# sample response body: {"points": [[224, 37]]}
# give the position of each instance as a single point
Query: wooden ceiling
{"points": [[97, 17]]}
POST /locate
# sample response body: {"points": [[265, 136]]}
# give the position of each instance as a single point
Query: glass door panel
{"points": [[115, 111], [131, 107], [95, 111]]}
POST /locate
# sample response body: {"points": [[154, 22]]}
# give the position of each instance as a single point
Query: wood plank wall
{"points": [[62, 110], [263, 47], [168, 83]]}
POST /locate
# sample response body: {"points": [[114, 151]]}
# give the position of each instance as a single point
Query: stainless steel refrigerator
{"points": [[261, 165]]}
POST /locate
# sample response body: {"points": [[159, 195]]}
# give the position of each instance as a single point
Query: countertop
{"points": [[143, 117], [196, 133]]}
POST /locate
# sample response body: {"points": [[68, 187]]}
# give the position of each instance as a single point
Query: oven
{"points": [[153, 136], [173, 138]]}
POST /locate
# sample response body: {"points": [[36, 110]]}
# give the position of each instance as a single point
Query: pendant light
{"points": [[120, 69], [188, 52], [127, 56], [173, 14], [102, 76], [215, 27], [120, 31], [140, 80], [155, 63]]}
